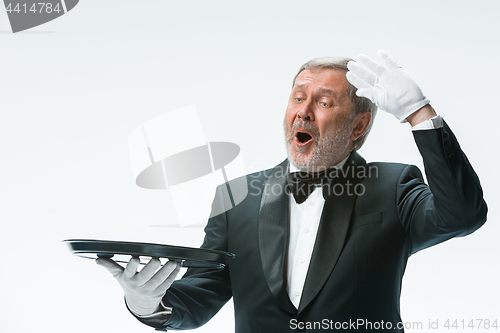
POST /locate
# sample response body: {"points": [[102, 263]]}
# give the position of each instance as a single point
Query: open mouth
{"points": [[303, 138]]}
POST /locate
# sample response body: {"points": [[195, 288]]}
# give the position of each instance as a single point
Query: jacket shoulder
{"points": [[392, 169]]}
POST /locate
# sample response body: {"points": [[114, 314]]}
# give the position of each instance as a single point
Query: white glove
{"points": [[145, 289], [389, 87]]}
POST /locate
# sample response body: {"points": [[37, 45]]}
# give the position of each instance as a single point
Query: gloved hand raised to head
{"points": [[145, 289], [388, 86]]}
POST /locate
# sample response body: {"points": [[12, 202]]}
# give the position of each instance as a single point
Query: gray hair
{"points": [[361, 104]]}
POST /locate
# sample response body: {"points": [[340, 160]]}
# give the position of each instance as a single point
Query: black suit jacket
{"points": [[361, 249]]}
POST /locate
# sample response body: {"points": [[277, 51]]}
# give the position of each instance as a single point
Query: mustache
{"points": [[307, 126]]}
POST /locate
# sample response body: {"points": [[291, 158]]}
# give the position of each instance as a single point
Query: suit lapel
{"points": [[332, 231], [273, 234]]}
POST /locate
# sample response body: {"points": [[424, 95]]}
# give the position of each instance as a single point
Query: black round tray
{"points": [[122, 251]]}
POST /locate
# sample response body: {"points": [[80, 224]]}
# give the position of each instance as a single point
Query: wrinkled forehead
{"points": [[326, 80]]}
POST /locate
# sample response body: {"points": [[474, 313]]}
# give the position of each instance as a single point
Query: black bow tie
{"points": [[302, 184]]}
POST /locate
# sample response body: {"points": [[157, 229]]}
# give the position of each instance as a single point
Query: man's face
{"points": [[318, 120]]}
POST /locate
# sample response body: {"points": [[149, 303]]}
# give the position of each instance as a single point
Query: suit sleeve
{"points": [[201, 292], [452, 205]]}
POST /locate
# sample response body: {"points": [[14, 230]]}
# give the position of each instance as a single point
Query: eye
{"points": [[324, 104], [298, 99]]}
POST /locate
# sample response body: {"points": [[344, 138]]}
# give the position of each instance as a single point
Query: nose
{"points": [[305, 112]]}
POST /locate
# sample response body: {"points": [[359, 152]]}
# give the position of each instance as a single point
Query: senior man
{"points": [[329, 250]]}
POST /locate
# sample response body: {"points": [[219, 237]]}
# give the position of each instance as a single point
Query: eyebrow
{"points": [[325, 91], [299, 86], [322, 91]]}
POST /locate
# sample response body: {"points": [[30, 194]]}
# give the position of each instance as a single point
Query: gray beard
{"points": [[326, 151]]}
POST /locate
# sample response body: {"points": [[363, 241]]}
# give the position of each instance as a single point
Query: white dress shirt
{"points": [[304, 223]]}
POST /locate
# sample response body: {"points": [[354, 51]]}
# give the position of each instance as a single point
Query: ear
{"points": [[360, 124]]}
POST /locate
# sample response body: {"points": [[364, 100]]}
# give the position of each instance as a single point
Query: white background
{"points": [[73, 89]]}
